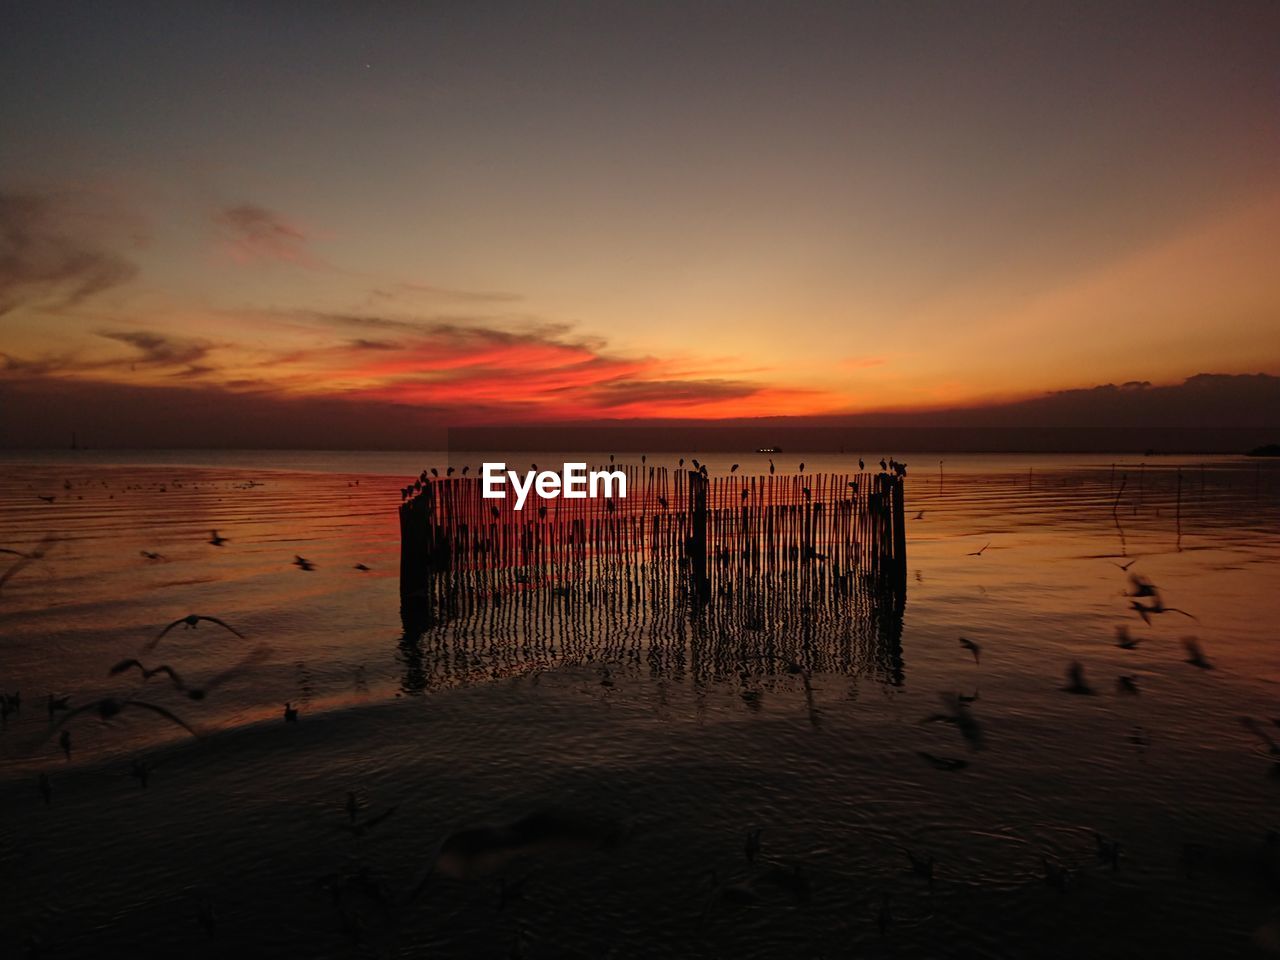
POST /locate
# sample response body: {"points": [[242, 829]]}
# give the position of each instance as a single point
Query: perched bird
{"points": [[216, 540], [358, 828], [1195, 655], [921, 866], [973, 647], [1055, 874], [1075, 680], [190, 622], [802, 466], [110, 707], [140, 770], [1108, 850]]}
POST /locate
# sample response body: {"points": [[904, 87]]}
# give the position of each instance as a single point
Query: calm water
{"points": [[246, 821]]}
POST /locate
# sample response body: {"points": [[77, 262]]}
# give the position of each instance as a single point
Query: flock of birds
{"points": [[485, 851]]}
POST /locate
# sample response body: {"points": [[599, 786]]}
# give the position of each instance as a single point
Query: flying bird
{"points": [[1195, 654], [973, 647], [302, 563], [1124, 566], [191, 621], [978, 553], [110, 707], [216, 540]]}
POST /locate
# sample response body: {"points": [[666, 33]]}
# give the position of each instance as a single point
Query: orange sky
{"points": [[633, 215]]}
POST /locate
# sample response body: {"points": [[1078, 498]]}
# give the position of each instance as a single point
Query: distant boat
{"points": [[768, 449]]}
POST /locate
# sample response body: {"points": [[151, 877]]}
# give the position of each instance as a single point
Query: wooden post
{"points": [[899, 535], [698, 534]]}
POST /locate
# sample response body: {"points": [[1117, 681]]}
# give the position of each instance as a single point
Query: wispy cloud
{"points": [[45, 263], [159, 348], [254, 234]]}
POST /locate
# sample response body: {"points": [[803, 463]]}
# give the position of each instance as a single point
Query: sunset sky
{"points": [[592, 210]]}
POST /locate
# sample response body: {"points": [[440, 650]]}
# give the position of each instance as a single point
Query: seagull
{"points": [[973, 647], [1075, 680], [302, 563], [942, 763], [150, 555], [1195, 655], [1156, 607], [359, 828], [140, 770], [978, 553], [920, 515], [361, 567], [922, 867], [216, 540], [1142, 587], [111, 707], [147, 672], [1127, 683], [961, 717], [191, 621], [1108, 850], [1124, 566]]}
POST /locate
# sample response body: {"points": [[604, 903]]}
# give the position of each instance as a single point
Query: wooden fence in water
{"points": [[707, 532]]}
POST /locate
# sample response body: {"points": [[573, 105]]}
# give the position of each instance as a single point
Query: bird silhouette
{"points": [[302, 563], [1195, 654], [942, 763], [110, 707], [290, 713], [734, 468], [1124, 566], [978, 553], [1075, 680], [973, 647], [362, 568], [1123, 640], [190, 622], [216, 540], [922, 867]]}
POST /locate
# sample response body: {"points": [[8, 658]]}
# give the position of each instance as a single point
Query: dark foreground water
{"points": [[655, 759]]}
